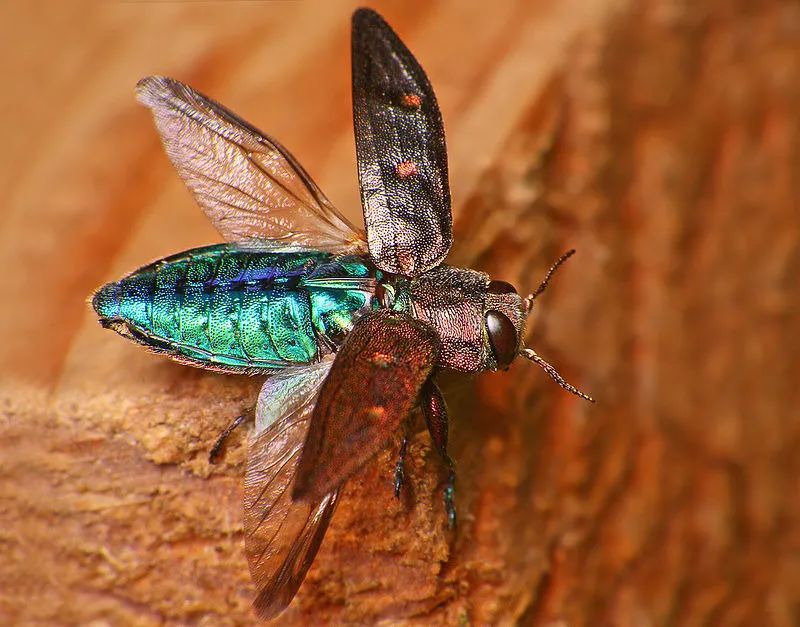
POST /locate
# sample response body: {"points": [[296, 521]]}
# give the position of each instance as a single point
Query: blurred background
{"points": [[660, 138]]}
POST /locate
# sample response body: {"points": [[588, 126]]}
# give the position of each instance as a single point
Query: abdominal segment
{"points": [[223, 307]]}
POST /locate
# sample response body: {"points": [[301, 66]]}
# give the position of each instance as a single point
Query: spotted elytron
{"points": [[352, 326]]}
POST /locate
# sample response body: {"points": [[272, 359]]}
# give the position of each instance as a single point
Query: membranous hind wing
{"points": [[282, 536], [402, 158], [251, 187], [375, 380]]}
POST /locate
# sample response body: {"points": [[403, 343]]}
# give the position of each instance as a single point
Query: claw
{"points": [[399, 477], [216, 450], [400, 468], [449, 500]]}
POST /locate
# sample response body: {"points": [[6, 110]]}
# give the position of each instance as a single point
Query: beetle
{"points": [[351, 325]]}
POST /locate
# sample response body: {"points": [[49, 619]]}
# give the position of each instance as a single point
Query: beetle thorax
{"points": [[456, 302]]}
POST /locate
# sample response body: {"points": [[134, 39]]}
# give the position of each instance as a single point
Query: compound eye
{"points": [[502, 337], [501, 287]]}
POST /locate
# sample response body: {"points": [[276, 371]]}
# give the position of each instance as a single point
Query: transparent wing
{"points": [[252, 189], [282, 536]]}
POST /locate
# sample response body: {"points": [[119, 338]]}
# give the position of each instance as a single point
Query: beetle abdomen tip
{"points": [[106, 301]]}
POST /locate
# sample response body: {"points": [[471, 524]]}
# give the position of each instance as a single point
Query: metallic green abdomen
{"points": [[225, 308]]}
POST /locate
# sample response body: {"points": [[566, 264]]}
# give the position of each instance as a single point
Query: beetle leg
{"points": [[400, 468], [216, 450], [449, 497], [435, 412]]}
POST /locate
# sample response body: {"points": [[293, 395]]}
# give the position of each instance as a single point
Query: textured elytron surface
{"points": [[374, 382], [237, 309], [402, 159]]}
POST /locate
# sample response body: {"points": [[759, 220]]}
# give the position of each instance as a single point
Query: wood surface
{"points": [[660, 138]]}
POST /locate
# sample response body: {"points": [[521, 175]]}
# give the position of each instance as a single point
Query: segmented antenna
{"points": [[543, 285], [531, 354]]}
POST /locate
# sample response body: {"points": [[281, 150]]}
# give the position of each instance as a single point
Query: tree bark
{"points": [[659, 138]]}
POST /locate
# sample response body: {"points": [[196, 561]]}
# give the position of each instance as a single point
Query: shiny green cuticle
{"points": [[225, 307]]}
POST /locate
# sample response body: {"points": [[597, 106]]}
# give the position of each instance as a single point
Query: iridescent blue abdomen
{"points": [[235, 310]]}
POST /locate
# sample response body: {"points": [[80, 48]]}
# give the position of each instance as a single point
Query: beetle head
{"points": [[480, 322]]}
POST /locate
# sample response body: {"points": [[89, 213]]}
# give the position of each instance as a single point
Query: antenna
{"points": [[531, 354], [543, 285]]}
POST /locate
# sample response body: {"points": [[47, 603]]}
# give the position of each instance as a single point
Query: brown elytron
{"points": [[375, 380], [409, 225]]}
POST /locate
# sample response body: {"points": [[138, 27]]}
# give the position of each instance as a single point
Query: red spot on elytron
{"points": [[382, 360], [412, 101], [406, 169], [376, 412]]}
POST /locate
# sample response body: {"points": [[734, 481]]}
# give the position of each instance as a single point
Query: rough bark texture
{"points": [[661, 138]]}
